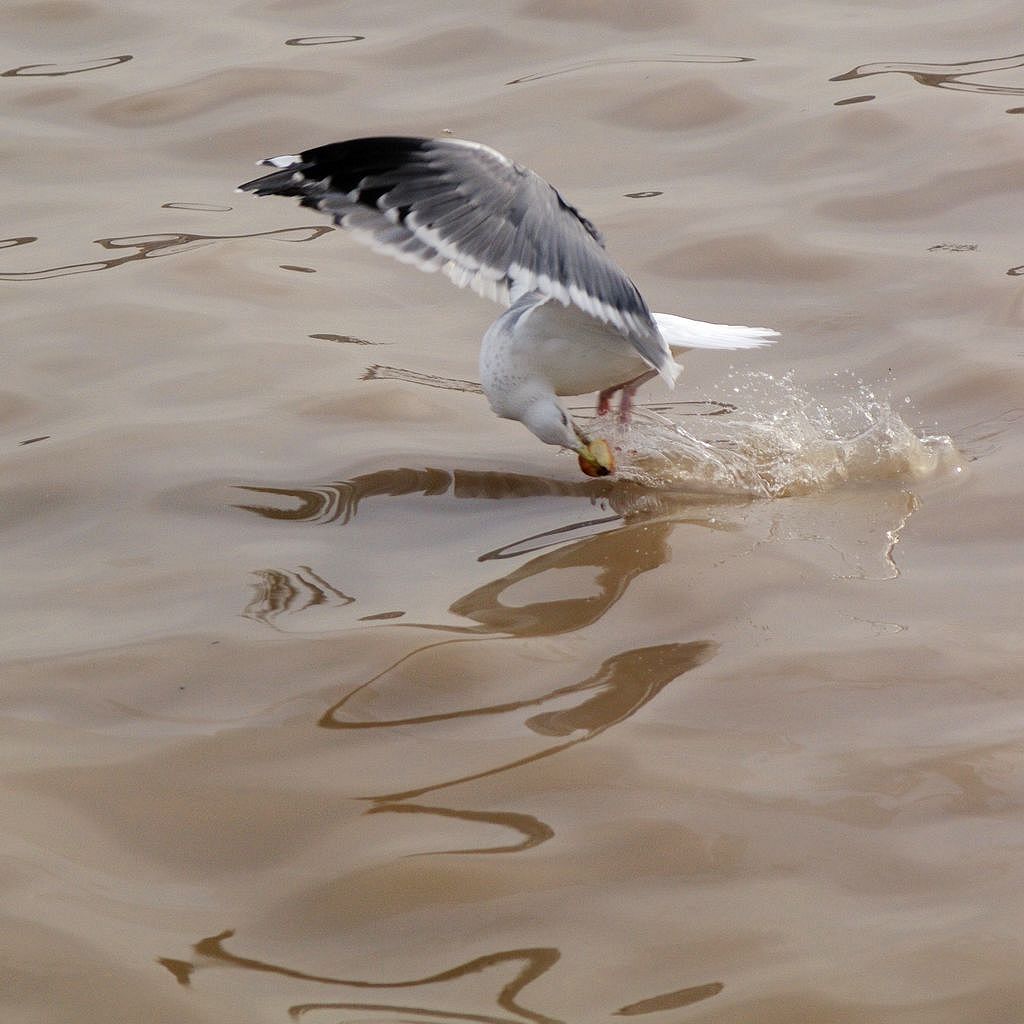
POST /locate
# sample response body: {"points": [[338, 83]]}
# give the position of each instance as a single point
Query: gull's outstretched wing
{"points": [[463, 208]]}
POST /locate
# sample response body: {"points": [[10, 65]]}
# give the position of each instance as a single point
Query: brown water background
{"points": [[334, 699]]}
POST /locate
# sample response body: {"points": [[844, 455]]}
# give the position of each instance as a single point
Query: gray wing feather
{"points": [[463, 208]]}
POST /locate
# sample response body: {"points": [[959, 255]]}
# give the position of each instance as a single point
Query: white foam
{"points": [[770, 438]]}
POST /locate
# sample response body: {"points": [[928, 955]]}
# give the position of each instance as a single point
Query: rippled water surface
{"points": [[327, 696]]}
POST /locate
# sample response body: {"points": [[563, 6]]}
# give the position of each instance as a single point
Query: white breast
{"points": [[573, 352]]}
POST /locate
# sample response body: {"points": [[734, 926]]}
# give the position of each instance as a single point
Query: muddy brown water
{"points": [[326, 698]]}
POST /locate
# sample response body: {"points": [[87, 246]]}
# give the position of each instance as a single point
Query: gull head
{"points": [[545, 417]]}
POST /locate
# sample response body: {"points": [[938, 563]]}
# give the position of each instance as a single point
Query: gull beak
{"points": [[596, 458]]}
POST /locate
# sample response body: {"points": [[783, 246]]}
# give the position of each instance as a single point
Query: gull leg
{"points": [[628, 391], [604, 400]]}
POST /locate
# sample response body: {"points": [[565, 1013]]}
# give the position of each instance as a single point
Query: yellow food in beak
{"points": [[596, 458]]}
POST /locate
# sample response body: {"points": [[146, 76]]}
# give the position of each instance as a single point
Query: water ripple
{"points": [[695, 58], [12, 243], [430, 380], [322, 40], [947, 76], [150, 247], [200, 207], [343, 339], [702, 407], [59, 70]]}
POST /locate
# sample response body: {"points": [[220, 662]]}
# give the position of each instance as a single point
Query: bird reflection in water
{"points": [[617, 548], [627, 537], [633, 509], [339, 501]]}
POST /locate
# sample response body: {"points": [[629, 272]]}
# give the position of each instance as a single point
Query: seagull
{"points": [[574, 323]]}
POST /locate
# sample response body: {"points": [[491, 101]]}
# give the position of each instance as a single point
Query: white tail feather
{"points": [[682, 333], [669, 371]]}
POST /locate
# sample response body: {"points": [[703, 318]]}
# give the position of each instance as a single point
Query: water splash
{"points": [[780, 441]]}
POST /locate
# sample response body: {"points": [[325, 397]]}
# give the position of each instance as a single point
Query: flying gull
{"points": [[575, 323]]}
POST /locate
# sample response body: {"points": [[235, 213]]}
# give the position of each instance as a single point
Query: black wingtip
{"points": [[287, 182]]}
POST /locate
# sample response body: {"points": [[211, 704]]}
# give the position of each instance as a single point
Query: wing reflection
{"points": [[531, 963], [624, 683], [671, 1000], [550, 538], [612, 558], [533, 830], [617, 558], [552, 716], [621, 686], [279, 591]]}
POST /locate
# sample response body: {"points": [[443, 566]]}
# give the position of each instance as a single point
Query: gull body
{"points": [[540, 351], [575, 323]]}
